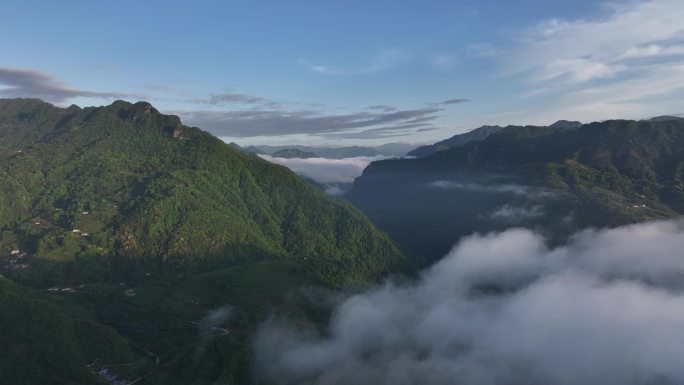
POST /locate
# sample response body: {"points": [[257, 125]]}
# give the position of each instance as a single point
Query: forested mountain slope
{"points": [[152, 193], [554, 179]]}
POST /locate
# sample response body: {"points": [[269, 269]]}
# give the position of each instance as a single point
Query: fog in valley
{"points": [[503, 308]]}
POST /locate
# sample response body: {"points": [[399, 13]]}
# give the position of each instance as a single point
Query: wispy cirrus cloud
{"points": [[276, 122], [653, 50], [230, 98], [29, 83], [382, 108], [240, 115], [162, 88], [383, 61], [269, 118], [482, 50], [628, 63], [445, 61], [588, 49], [453, 101]]}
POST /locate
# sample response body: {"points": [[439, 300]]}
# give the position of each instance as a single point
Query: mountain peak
{"points": [[294, 153], [144, 113], [73, 108], [138, 111], [566, 124], [25, 103], [479, 133], [664, 118]]}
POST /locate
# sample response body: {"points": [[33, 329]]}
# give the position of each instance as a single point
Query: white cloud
{"points": [[577, 70], [605, 309], [482, 50], [383, 61], [623, 99], [445, 61], [505, 188], [22, 83], [515, 214], [602, 40], [652, 50], [627, 64], [324, 170]]}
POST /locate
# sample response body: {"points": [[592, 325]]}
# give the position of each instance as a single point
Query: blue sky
{"points": [[350, 72]]}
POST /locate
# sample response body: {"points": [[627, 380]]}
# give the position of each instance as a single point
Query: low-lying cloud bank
{"points": [[513, 189], [514, 214], [324, 170], [607, 308]]}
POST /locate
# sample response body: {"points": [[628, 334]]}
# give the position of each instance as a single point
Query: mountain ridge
{"points": [[455, 141], [174, 195], [601, 174], [388, 149]]}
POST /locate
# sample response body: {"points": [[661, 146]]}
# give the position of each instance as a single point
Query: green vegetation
{"points": [[137, 191], [45, 343], [134, 248], [121, 219]]}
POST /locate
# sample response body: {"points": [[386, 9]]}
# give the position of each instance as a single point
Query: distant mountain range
{"points": [[555, 179], [291, 153], [389, 149], [480, 133]]}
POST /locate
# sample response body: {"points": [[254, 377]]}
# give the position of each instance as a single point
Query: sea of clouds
{"points": [[606, 308], [324, 170]]}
